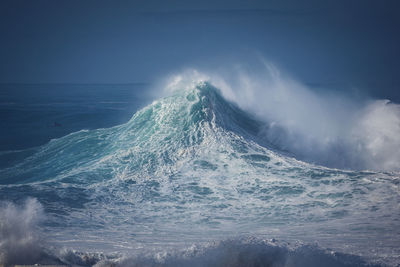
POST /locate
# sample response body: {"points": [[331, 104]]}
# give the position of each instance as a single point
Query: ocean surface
{"points": [[108, 175]]}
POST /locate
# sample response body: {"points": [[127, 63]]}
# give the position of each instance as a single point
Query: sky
{"points": [[347, 44]]}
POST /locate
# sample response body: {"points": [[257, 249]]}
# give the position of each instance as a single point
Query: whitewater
{"points": [[197, 178]]}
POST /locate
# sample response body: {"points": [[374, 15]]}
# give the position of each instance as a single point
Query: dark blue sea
{"points": [[33, 114]]}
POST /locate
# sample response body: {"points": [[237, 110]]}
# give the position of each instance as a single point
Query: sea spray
{"points": [[20, 241]]}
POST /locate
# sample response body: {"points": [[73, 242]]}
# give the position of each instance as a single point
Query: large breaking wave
{"points": [[194, 167], [330, 128]]}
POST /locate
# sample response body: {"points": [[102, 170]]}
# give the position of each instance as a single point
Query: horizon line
{"points": [[71, 83]]}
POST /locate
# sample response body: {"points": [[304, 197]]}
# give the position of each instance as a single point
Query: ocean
{"points": [[109, 175]]}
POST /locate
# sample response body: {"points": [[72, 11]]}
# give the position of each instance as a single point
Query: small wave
{"points": [[244, 252], [232, 252]]}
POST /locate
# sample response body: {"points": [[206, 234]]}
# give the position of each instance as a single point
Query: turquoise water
{"points": [[189, 180]]}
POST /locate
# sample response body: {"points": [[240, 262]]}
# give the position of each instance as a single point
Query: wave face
{"points": [[192, 168]]}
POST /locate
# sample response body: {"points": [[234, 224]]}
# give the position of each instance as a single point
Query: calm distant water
{"points": [[33, 114]]}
